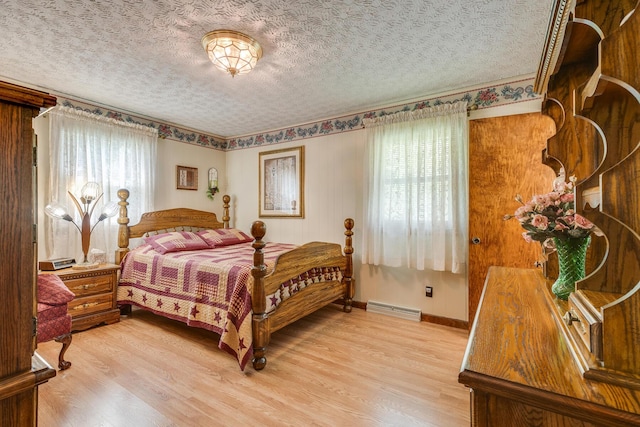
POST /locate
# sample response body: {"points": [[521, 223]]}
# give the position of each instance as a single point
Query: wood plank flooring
{"points": [[328, 369]]}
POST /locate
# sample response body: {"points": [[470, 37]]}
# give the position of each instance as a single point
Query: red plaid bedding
{"points": [[209, 288]]}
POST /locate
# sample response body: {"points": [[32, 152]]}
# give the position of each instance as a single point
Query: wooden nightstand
{"points": [[95, 300]]}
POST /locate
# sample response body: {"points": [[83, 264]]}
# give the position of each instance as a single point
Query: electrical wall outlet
{"points": [[428, 291]]}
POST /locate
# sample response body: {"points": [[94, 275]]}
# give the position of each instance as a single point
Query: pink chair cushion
{"points": [[53, 328], [52, 290], [48, 312], [53, 296]]}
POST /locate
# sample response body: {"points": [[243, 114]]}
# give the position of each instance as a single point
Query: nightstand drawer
{"points": [[95, 290], [89, 285], [83, 306]]}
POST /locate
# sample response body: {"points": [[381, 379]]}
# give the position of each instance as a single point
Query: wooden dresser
{"points": [[535, 360], [95, 295], [519, 364], [21, 369]]}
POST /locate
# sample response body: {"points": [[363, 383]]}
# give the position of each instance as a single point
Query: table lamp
{"points": [[89, 196]]}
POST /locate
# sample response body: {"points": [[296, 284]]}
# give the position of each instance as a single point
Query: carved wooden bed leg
{"points": [[66, 342], [260, 319], [347, 276], [125, 309]]}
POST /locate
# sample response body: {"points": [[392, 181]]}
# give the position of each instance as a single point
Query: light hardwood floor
{"points": [[328, 369]]}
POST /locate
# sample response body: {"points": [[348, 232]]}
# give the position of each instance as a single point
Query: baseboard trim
{"points": [[407, 313], [359, 304], [438, 320], [446, 321]]}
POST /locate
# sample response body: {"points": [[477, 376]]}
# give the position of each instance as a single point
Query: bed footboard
{"points": [[288, 265]]}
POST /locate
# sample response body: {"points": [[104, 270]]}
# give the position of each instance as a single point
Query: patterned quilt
{"points": [[208, 288]]}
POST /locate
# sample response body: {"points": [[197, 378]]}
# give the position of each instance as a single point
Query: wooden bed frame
{"points": [[288, 265]]}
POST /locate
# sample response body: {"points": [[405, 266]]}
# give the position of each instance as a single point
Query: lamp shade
{"points": [[231, 51], [109, 210], [89, 192], [57, 211]]}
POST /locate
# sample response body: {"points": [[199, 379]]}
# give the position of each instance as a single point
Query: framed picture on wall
{"points": [[186, 178], [281, 183]]}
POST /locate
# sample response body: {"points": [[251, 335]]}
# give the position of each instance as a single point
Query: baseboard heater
{"points": [[395, 311]]}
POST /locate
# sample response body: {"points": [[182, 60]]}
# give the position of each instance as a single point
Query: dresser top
{"points": [[516, 347]]}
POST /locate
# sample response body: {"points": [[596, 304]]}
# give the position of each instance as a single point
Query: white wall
{"points": [[173, 153], [332, 177]]}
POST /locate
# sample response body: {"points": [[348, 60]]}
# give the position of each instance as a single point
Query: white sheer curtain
{"points": [[85, 147], [416, 189]]}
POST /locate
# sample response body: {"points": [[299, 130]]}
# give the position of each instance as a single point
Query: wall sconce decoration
{"points": [[90, 194], [212, 183]]}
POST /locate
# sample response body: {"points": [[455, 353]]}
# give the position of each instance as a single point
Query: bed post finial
{"points": [[260, 319], [348, 273], [123, 226], [225, 210]]}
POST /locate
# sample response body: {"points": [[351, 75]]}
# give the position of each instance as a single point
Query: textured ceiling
{"points": [[322, 59]]}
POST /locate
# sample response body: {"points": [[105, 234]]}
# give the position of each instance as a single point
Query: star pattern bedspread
{"points": [[208, 288]]}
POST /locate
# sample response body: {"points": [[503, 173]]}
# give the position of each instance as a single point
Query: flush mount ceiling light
{"points": [[231, 51]]}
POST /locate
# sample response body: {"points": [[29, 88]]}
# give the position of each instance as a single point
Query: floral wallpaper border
{"points": [[486, 97], [165, 131]]}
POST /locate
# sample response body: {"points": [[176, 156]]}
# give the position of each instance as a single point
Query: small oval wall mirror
{"points": [[212, 186]]}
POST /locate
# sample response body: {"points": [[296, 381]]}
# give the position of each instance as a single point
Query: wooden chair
{"points": [[53, 320]]}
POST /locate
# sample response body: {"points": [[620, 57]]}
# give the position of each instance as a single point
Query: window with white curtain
{"points": [[416, 189], [86, 147]]}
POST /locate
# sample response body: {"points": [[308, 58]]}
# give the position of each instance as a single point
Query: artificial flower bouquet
{"points": [[552, 215]]}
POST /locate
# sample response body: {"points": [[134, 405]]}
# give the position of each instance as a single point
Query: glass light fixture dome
{"points": [[231, 51]]}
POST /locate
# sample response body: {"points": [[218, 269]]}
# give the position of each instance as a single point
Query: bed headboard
{"points": [[165, 220]]}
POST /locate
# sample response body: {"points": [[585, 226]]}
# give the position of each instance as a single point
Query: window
{"points": [[86, 147], [416, 189]]}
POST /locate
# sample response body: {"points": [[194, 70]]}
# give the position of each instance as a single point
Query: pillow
{"points": [[51, 290], [224, 237], [176, 241]]}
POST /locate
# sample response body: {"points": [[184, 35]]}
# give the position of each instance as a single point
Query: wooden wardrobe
{"points": [[21, 369]]}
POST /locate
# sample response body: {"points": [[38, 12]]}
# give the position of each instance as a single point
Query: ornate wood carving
{"points": [[598, 85]]}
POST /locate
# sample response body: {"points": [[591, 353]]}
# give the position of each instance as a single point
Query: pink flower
{"points": [[540, 221], [540, 200], [560, 227], [566, 198], [552, 214], [521, 212], [555, 197], [582, 222]]}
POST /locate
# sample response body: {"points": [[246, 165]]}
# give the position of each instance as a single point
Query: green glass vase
{"points": [[572, 254]]}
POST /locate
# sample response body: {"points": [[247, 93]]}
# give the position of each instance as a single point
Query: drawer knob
{"points": [[85, 305], [569, 318]]}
